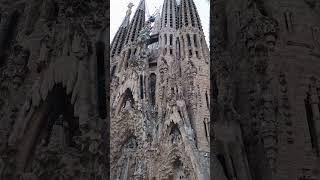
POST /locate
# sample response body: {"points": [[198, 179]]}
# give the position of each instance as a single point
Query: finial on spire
{"points": [[130, 5]]}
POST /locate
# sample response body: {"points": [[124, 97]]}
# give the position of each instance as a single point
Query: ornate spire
{"points": [[119, 38], [137, 23], [188, 14], [169, 14]]}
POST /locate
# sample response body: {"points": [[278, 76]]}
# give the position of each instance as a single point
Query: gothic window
{"points": [[189, 40], [190, 53], [129, 54], [141, 87], [197, 54], [170, 51], [101, 78], [135, 51], [195, 40], [311, 124], [153, 79], [171, 37]]}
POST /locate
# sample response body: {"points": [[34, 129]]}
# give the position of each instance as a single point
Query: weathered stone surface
{"points": [[160, 97]]}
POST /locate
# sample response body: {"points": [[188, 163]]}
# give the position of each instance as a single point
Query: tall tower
{"points": [[194, 63], [160, 98]]}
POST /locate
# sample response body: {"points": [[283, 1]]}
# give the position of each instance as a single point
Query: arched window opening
{"points": [[170, 51], [178, 49], [141, 87], [189, 40], [195, 40], [190, 53], [171, 37], [153, 79]]}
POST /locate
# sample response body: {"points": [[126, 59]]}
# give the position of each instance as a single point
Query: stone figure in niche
{"points": [[175, 135], [127, 106]]}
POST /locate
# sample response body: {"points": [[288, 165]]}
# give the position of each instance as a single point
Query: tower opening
{"points": [[153, 79]]}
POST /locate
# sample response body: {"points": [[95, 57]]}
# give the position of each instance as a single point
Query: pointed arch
{"points": [[126, 96]]}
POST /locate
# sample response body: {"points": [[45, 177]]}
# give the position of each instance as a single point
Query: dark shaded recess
{"points": [[57, 103], [113, 70], [61, 105], [101, 79], [8, 36], [127, 97], [311, 125], [153, 79], [222, 161], [261, 6], [234, 168], [141, 87]]}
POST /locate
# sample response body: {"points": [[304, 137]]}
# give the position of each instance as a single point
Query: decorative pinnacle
{"points": [[130, 5]]}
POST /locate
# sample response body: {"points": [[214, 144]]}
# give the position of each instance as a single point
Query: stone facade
{"points": [[264, 89], [160, 96]]}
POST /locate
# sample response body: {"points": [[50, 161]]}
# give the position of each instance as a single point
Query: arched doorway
{"points": [[52, 126]]}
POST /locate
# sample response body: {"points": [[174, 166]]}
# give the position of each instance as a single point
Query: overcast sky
{"points": [[119, 8]]}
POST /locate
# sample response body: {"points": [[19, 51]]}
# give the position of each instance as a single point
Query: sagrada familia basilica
{"points": [[155, 103], [160, 95]]}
